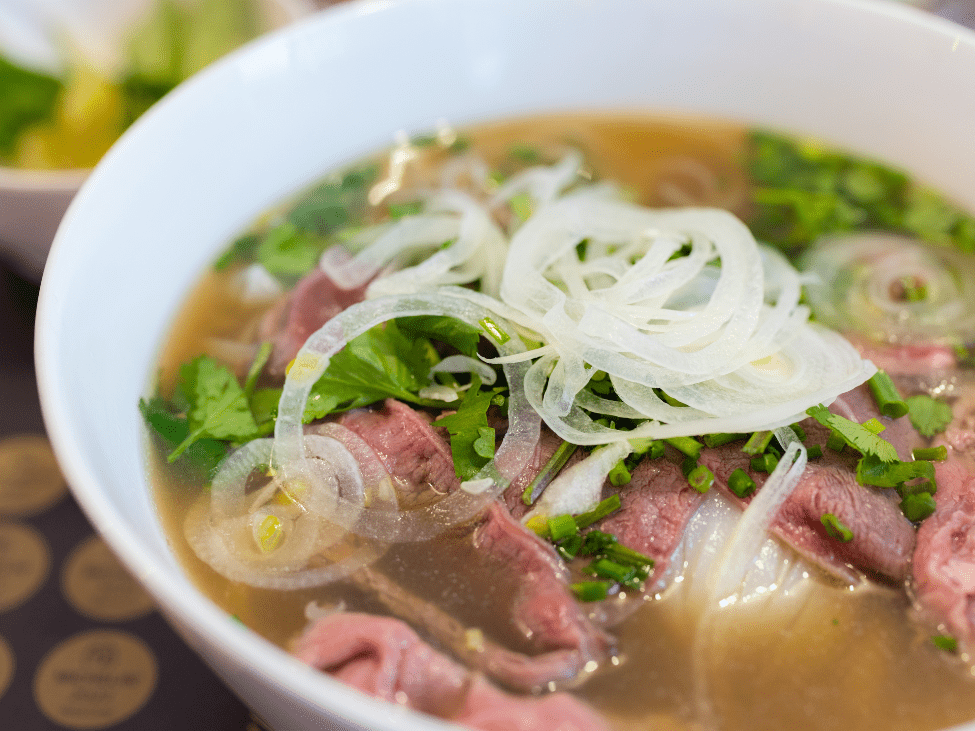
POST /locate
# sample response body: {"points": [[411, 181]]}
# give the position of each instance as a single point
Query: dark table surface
{"points": [[81, 646]]}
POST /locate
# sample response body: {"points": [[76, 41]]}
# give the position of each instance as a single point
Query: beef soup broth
{"points": [[851, 630]]}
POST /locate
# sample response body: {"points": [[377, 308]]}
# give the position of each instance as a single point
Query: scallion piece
{"points": [[591, 591], [627, 556], [607, 506], [931, 454], [918, 506], [945, 642], [596, 542], [885, 393], [657, 450], [764, 462], [619, 475], [928, 486], [757, 442], [836, 442], [799, 432], [814, 452], [494, 330], [701, 478], [686, 445], [606, 569], [836, 529], [741, 484], [719, 440], [569, 547], [555, 463], [562, 526]]}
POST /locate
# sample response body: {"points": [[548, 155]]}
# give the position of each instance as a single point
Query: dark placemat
{"points": [[81, 644]]}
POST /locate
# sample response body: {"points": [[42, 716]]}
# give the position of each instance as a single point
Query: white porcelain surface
{"points": [[880, 78]]}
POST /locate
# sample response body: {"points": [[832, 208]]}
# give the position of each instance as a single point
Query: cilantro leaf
{"points": [[218, 406], [453, 332], [856, 435], [927, 415], [288, 251], [471, 438], [203, 454]]}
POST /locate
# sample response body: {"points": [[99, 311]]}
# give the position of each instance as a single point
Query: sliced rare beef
{"points": [[315, 300], [544, 608], [944, 562], [386, 659], [910, 359], [514, 670], [416, 456], [883, 539], [656, 506]]}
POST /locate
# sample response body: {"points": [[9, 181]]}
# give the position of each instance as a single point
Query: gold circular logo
{"points": [[25, 560], [99, 587], [95, 679], [30, 480], [6, 666]]}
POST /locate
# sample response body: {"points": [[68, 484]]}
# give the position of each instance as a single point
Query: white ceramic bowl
{"points": [[32, 32], [876, 77]]}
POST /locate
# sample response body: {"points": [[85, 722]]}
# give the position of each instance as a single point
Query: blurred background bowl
{"points": [[876, 77], [56, 37]]}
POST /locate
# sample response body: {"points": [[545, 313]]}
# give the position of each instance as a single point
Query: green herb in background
{"points": [[803, 191], [26, 98]]}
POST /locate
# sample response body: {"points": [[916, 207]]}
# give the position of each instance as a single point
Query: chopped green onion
{"points": [[568, 548], [873, 471], [607, 506], [799, 432], [757, 442], [885, 393], [928, 486], [913, 289], [814, 452], [931, 454], [764, 462], [562, 526], [657, 450], [555, 463], [836, 529], [492, 329], [741, 484], [606, 569], [945, 642], [596, 542], [719, 440], [619, 475], [918, 506], [701, 478], [670, 399], [591, 591], [627, 556], [686, 445]]}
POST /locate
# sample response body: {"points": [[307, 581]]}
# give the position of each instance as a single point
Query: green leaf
{"points": [[470, 434], [288, 251], [453, 332], [928, 415], [26, 98], [218, 405], [204, 455], [856, 435]]}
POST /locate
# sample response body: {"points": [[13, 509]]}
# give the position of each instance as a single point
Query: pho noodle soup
{"points": [[592, 422]]}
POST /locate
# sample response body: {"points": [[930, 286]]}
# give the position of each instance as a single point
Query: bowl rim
{"points": [[126, 540]]}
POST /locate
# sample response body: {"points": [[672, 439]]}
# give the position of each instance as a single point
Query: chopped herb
{"points": [[885, 393], [619, 475], [917, 506], [204, 454], [945, 642], [856, 435], [931, 454], [757, 443], [814, 452], [288, 251], [606, 569], [26, 98], [492, 329], [260, 360], [872, 471], [719, 440], [470, 433], [836, 529], [799, 432], [740, 483], [764, 462], [555, 463], [562, 526], [456, 333], [927, 415], [686, 445], [521, 206], [591, 591], [409, 208], [701, 478], [604, 508]]}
